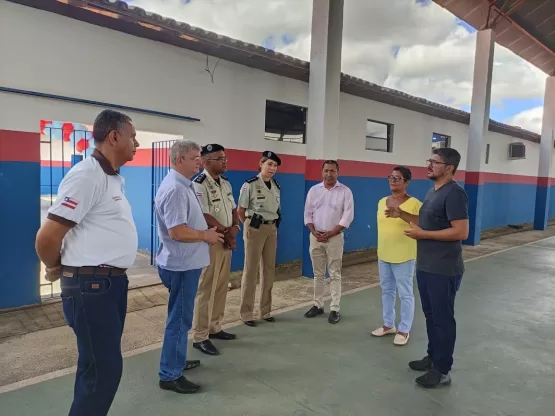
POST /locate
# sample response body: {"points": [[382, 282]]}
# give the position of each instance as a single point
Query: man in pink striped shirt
{"points": [[329, 209]]}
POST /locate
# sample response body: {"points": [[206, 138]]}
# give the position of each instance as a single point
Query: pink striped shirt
{"points": [[327, 208]]}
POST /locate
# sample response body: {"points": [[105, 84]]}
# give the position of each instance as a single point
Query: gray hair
{"points": [[181, 148]]}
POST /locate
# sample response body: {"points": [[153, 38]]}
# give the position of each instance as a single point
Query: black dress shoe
{"points": [[425, 364], [190, 364], [270, 319], [223, 335], [312, 312], [250, 323], [433, 379], [206, 347], [334, 317], [181, 385]]}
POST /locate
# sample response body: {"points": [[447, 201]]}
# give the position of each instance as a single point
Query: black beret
{"points": [[211, 148], [272, 156]]}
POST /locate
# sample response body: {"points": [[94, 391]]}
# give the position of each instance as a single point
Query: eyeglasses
{"points": [[194, 159], [435, 162], [220, 159], [393, 178]]}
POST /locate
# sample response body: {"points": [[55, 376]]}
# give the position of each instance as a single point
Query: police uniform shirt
{"points": [[91, 200], [255, 197], [216, 199]]}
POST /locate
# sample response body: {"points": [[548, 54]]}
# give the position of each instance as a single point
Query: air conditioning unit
{"points": [[517, 151]]}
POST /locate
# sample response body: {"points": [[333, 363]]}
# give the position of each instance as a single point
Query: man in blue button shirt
{"points": [[183, 253]]}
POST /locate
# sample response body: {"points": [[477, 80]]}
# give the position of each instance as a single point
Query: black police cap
{"points": [[211, 148], [272, 156]]}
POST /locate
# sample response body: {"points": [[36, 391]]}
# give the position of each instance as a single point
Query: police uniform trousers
{"points": [[260, 250], [212, 294]]}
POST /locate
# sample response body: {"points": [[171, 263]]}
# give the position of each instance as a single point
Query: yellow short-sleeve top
{"points": [[393, 245]]}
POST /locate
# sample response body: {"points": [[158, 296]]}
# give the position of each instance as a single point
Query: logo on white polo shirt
{"points": [[117, 198], [70, 203]]}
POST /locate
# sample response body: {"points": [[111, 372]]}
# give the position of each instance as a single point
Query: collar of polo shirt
{"points": [[103, 162]]}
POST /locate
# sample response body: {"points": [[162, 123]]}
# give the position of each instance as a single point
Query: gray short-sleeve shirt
{"points": [[440, 207], [176, 203]]}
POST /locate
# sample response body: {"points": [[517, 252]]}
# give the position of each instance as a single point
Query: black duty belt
{"points": [[92, 270], [266, 221]]}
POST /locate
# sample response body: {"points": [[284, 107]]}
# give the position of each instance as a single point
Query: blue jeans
{"points": [[95, 308], [183, 289], [437, 294], [397, 276]]}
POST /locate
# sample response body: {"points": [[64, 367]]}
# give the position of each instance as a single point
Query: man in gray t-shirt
{"points": [[440, 228], [440, 207]]}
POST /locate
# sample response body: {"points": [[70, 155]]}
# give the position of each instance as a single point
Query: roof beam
{"points": [[528, 31]]}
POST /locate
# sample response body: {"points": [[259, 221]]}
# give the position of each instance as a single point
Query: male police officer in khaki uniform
{"points": [[259, 210], [216, 197]]}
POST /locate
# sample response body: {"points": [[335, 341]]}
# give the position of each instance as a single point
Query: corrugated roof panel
{"points": [[529, 28]]}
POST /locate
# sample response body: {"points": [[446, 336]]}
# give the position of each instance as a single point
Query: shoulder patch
{"points": [[277, 184], [200, 178], [251, 180], [224, 178]]}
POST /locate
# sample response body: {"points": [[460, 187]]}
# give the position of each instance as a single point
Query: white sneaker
{"points": [[401, 340], [380, 332]]}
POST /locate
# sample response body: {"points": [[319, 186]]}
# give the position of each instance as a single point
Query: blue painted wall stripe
{"points": [[542, 207], [502, 204], [20, 220]]}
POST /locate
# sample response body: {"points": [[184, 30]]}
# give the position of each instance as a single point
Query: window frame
{"points": [[389, 138], [447, 136], [305, 114]]}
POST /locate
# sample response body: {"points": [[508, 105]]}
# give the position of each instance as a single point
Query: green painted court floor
{"points": [[504, 359]]}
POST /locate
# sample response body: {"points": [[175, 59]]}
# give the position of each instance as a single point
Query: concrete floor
{"points": [[504, 363]]}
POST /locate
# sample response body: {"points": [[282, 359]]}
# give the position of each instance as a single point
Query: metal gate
{"points": [[160, 168], [62, 145]]}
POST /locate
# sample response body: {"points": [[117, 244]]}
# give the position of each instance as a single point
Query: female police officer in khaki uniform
{"points": [[259, 210]]}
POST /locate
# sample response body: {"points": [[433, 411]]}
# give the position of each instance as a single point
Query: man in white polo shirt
{"points": [[88, 240]]}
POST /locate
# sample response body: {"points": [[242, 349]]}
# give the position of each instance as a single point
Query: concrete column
{"points": [[479, 123], [543, 189], [323, 98]]}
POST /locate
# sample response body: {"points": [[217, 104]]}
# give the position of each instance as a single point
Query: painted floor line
{"points": [[158, 345]]}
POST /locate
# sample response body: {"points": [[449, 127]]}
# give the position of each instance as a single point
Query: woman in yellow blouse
{"points": [[396, 256]]}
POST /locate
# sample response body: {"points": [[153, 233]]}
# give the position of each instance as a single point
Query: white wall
{"points": [[49, 53]]}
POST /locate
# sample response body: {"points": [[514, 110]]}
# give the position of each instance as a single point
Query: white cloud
{"points": [[529, 119], [435, 57]]}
